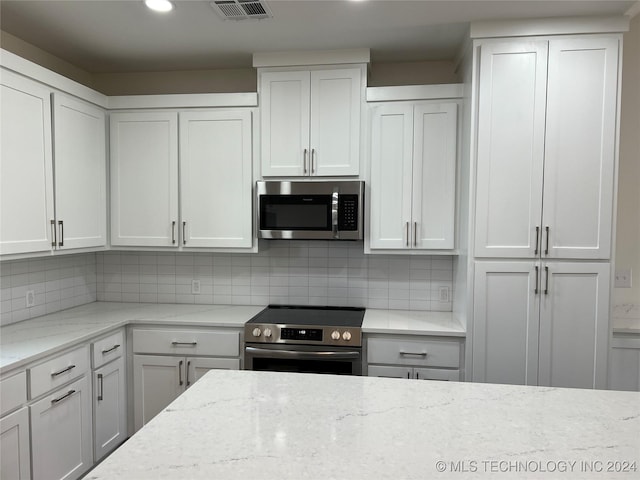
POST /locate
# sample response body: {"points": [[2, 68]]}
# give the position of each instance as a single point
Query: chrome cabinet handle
{"points": [[536, 289], [188, 344], [53, 231], [188, 366], [173, 232], [546, 250], [546, 283], [100, 381], [415, 234], [313, 161], [64, 370], [108, 350], [417, 354], [180, 372], [535, 252], [304, 161], [61, 227], [407, 232], [184, 233], [66, 395]]}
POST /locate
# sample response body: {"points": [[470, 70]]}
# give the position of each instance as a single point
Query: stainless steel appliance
{"points": [[291, 338], [310, 210]]}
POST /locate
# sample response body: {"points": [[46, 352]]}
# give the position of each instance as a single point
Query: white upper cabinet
{"points": [[80, 173], [571, 84], [310, 122], [216, 180], [144, 179], [413, 176], [26, 169]]}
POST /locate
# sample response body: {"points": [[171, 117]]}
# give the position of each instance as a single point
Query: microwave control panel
{"points": [[348, 212]]}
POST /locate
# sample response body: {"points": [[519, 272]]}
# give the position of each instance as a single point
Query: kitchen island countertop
{"points": [[268, 425]]}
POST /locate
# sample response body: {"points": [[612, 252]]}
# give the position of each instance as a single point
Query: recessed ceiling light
{"points": [[159, 5]]}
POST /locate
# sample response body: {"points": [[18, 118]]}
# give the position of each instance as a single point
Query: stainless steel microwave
{"points": [[307, 210]]}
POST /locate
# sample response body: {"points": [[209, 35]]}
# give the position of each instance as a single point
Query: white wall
{"points": [[628, 227]]}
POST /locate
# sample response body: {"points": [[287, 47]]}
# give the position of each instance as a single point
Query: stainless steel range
{"points": [[292, 338]]}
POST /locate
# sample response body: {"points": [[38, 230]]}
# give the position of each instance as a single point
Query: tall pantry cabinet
{"points": [[544, 195]]}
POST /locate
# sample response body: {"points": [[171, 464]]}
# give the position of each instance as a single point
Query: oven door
{"points": [[303, 359]]}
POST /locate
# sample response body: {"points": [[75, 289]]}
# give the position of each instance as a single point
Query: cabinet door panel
{"points": [[197, 367], [144, 179], [510, 146], [335, 121], [389, 372], [434, 175], [61, 433], [624, 369], [157, 381], [439, 374], [580, 147], [574, 325], [284, 120], [391, 160], [26, 170], [14, 446], [216, 180], [109, 407], [506, 322], [80, 172]]}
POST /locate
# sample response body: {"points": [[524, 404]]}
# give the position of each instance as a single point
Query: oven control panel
{"points": [[257, 333]]}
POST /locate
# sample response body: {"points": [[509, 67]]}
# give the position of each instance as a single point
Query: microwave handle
{"points": [[334, 212]]}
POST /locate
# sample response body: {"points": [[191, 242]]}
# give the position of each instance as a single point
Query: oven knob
{"points": [[256, 332], [267, 332], [335, 335], [346, 336]]}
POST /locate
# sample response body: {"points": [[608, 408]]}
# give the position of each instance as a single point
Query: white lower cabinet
{"points": [[415, 357], [541, 323], [15, 458], [61, 433], [168, 361], [624, 365]]}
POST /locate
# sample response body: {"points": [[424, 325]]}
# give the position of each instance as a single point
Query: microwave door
{"points": [[296, 216]]}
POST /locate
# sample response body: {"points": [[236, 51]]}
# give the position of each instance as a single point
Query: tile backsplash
{"points": [[294, 272], [57, 283]]}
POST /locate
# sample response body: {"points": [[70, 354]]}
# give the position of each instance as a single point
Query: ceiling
{"points": [[124, 36]]}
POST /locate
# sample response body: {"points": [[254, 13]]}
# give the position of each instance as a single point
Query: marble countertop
{"points": [[30, 340], [268, 425], [412, 322]]}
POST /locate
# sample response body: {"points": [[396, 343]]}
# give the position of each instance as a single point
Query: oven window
{"points": [[295, 212], [304, 366]]}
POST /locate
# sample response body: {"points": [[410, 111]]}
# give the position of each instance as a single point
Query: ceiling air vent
{"points": [[241, 9]]}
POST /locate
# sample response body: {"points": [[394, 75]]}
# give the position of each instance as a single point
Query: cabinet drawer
{"points": [[108, 348], [59, 370], [187, 342], [13, 392], [427, 352]]}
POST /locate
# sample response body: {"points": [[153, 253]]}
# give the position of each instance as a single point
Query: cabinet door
{"points": [[144, 179], [506, 321], [336, 103], [14, 446], [26, 175], [80, 173], [389, 371], [580, 147], [215, 179], [574, 325], [391, 160], [434, 175], [197, 367], [439, 374], [284, 123], [61, 438], [157, 381], [510, 146], [624, 369], [109, 407]]}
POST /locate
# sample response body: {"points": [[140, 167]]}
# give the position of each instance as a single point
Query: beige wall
{"points": [[628, 230]]}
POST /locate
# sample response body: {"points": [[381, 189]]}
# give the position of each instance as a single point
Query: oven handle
{"points": [[302, 355]]}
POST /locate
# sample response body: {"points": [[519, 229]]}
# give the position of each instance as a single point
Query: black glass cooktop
{"points": [[312, 316]]}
